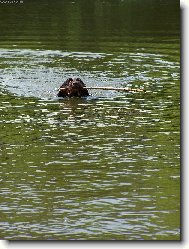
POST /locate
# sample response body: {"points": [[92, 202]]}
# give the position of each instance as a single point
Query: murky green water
{"points": [[102, 168]]}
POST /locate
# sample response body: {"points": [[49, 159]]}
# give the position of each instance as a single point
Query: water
{"points": [[106, 167]]}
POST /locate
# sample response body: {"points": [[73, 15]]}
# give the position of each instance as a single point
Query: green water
{"points": [[106, 167]]}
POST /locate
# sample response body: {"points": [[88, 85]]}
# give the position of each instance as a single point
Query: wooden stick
{"points": [[126, 89]]}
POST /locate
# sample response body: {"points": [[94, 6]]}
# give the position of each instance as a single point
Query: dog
{"points": [[73, 88]]}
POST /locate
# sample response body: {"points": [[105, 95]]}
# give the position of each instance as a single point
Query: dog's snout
{"points": [[73, 87]]}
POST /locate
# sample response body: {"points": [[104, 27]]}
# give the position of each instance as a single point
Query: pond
{"points": [[105, 167]]}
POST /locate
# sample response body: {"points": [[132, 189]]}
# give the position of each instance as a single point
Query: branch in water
{"points": [[126, 89]]}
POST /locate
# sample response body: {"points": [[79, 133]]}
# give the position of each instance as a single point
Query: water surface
{"points": [[106, 167]]}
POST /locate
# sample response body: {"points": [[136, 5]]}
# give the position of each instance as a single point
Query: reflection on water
{"points": [[97, 168], [38, 73]]}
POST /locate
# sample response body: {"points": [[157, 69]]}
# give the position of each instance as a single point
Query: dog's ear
{"points": [[69, 80], [80, 81], [66, 83]]}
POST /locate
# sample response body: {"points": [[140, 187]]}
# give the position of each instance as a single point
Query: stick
{"points": [[126, 89]]}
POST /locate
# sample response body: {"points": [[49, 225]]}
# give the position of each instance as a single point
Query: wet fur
{"points": [[73, 88]]}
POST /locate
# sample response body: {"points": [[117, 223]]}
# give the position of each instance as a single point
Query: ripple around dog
{"points": [[38, 73]]}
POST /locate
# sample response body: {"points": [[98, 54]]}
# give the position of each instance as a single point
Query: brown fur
{"points": [[73, 88]]}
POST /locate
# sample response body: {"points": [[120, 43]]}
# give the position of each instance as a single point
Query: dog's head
{"points": [[73, 88]]}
